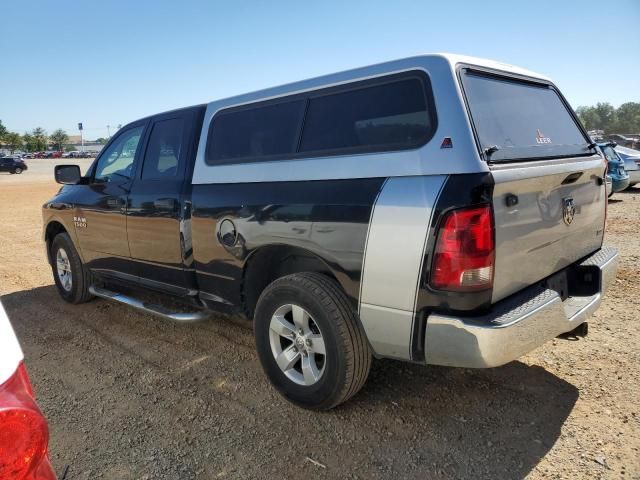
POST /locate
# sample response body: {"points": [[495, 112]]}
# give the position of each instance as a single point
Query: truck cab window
{"points": [[163, 152], [117, 160]]}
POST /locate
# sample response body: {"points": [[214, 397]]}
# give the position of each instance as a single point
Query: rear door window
{"points": [[162, 157], [519, 120]]}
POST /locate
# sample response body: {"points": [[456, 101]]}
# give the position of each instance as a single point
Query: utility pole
{"points": [[108, 132], [81, 137]]}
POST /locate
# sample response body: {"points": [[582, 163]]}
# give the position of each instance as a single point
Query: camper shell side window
{"points": [[390, 113]]}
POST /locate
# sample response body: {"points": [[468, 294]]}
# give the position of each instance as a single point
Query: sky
{"points": [[110, 62]]}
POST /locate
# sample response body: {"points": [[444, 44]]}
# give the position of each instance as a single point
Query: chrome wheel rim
{"points": [[64, 269], [297, 345], [18, 170]]}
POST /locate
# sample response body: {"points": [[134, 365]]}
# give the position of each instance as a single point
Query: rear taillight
{"points": [[464, 255], [24, 433]]}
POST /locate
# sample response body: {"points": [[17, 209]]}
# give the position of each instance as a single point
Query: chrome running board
{"points": [[148, 307]]}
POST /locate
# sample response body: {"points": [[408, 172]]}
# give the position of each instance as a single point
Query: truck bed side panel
{"points": [[326, 218]]}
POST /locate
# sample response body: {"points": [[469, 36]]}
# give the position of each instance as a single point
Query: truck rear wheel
{"points": [[72, 278], [309, 342]]}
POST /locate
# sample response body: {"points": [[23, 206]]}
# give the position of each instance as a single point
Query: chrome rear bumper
{"points": [[517, 324]]}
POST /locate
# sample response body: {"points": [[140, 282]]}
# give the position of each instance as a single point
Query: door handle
{"points": [[165, 203], [572, 178]]}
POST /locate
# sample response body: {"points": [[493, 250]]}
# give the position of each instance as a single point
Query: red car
{"points": [[24, 433]]}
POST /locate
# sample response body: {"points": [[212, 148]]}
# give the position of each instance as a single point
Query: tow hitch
{"points": [[580, 331]]}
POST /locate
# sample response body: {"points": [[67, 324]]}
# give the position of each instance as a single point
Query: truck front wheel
{"points": [[72, 278], [309, 342]]}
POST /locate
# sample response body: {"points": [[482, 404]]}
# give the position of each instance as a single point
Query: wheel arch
{"points": [[270, 262], [55, 226]]}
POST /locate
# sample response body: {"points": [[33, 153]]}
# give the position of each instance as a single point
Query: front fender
{"points": [[60, 213]]}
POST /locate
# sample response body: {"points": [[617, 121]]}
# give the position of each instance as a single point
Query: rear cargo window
{"points": [[518, 120]]}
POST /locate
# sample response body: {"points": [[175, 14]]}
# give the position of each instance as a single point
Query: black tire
{"points": [[81, 278], [18, 171], [348, 357]]}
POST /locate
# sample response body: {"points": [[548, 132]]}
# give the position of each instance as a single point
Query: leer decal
{"points": [[540, 138]]}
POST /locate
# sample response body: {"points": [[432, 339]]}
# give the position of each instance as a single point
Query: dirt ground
{"points": [[131, 396]]}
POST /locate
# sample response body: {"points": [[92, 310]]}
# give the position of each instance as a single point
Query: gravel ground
{"points": [[130, 396]]}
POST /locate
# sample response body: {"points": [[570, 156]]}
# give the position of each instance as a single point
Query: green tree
{"points": [[101, 140], [13, 141], [589, 118], [603, 116], [3, 131], [607, 115], [39, 138], [627, 118], [29, 142], [58, 138]]}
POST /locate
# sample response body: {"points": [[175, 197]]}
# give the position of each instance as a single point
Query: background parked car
{"points": [[615, 167], [78, 154], [24, 433], [623, 140], [631, 159], [12, 165]]}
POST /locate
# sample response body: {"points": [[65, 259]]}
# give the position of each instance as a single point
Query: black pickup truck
{"points": [[437, 209]]}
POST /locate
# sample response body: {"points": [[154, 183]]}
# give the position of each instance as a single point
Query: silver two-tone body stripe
{"points": [[393, 261]]}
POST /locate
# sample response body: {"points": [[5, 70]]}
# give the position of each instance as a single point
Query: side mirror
{"points": [[67, 174]]}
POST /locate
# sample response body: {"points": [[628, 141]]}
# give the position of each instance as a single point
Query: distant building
{"points": [[88, 147]]}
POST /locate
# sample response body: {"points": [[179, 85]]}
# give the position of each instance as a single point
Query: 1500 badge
{"points": [[80, 222]]}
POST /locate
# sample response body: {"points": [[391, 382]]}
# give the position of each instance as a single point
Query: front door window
{"points": [[117, 160]]}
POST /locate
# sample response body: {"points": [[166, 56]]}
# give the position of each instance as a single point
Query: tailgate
{"points": [[538, 235], [549, 196]]}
